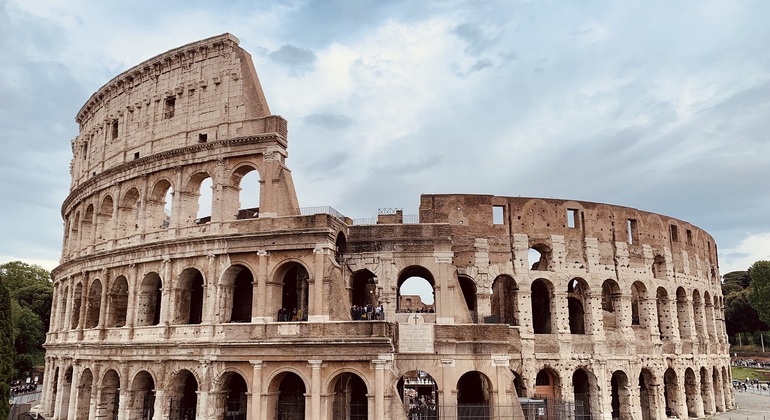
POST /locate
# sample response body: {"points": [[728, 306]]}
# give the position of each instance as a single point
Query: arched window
{"points": [[539, 257], [691, 393], [659, 267], [77, 300], [94, 304], [665, 322], [247, 179], [189, 302], [620, 403], [350, 399], [577, 303], [87, 228], [143, 390], [505, 301], [159, 205], [104, 220], [84, 394], [183, 395], [582, 394], [416, 290], [290, 402], [128, 213], [294, 293], [647, 398], [546, 383], [671, 392], [542, 306], [611, 302], [363, 290], [149, 300], [234, 391], [205, 200], [118, 303], [109, 397], [683, 313], [468, 287], [638, 305], [419, 394], [474, 392], [238, 287]]}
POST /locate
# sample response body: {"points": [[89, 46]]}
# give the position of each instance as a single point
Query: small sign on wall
{"points": [[415, 336]]}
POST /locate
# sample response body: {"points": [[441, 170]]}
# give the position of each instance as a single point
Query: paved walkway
{"points": [[751, 406]]}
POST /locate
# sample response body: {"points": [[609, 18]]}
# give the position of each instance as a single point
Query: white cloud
{"points": [[752, 248]]}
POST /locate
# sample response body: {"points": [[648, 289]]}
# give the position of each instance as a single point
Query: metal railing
{"points": [[307, 211]]}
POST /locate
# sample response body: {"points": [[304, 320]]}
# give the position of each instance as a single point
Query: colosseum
{"points": [[175, 299]]}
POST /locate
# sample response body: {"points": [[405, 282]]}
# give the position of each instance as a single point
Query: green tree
{"points": [[28, 339], [6, 349], [760, 289], [740, 316]]}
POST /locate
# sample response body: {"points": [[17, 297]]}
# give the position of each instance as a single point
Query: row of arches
{"points": [[134, 208]]}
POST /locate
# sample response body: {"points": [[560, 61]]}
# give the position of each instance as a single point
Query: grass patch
{"points": [[741, 373]]}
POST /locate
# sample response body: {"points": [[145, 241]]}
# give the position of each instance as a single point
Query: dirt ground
{"points": [[750, 407]]}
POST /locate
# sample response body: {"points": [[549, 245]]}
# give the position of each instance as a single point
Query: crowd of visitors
{"points": [[423, 408], [285, 315], [366, 313], [23, 389]]}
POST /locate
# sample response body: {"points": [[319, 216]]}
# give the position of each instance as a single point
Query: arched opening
{"points": [[62, 308], [235, 397], [647, 395], [726, 388], [611, 303], [710, 321], [87, 228], [416, 289], [205, 198], [419, 394], [149, 300], [468, 287], [659, 267], [117, 303], [237, 286], [77, 299], [72, 239], [104, 220], [621, 407], [638, 298], [664, 315], [128, 213], [683, 313], [699, 315], [505, 301], [350, 400], [705, 392], [142, 406], [363, 294], [189, 297], [294, 293], [577, 303], [158, 206], [671, 393], [108, 406], [582, 394], [183, 393], [291, 398], [542, 306], [248, 180], [66, 388], [691, 392], [539, 257], [84, 395], [340, 247], [474, 392], [719, 401], [94, 304], [546, 382]]}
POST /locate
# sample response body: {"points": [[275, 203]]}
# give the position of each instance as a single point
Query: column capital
{"points": [[315, 364]]}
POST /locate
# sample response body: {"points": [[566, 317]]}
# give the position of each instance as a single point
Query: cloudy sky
{"points": [[663, 106]]}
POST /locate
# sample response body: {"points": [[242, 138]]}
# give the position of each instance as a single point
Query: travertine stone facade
{"points": [[168, 306]]}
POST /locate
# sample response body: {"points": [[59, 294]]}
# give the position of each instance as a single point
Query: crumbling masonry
{"points": [[166, 308]]}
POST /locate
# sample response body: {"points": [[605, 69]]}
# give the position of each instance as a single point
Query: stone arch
{"points": [[94, 300], [706, 393], [109, 405], [85, 384], [197, 202], [237, 288], [665, 318], [671, 393], [72, 237], [620, 396], [232, 403], [474, 396], [87, 228], [128, 213], [710, 320], [611, 303], [692, 393], [349, 394], [117, 304], [247, 179], [156, 205], [683, 313], [340, 247], [142, 388], [578, 304], [66, 388], [149, 300], [292, 281], [287, 397], [468, 288], [639, 315], [519, 385], [419, 393], [104, 219], [547, 382], [419, 272], [659, 268], [505, 300], [363, 289], [699, 315], [62, 307], [183, 395], [542, 298], [582, 385], [77, 301], [716, 385], [647, 394], [189, 297], [539, 256]]}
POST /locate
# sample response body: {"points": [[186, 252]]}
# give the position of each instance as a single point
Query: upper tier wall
{"points": [[204, 91], [621, 235]]}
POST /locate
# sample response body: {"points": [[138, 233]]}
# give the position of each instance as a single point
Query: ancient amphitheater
{"points": [[167, 305]]}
